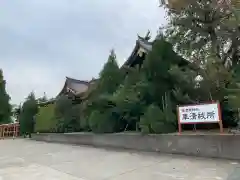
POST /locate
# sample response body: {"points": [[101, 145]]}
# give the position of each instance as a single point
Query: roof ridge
{"points": [[76, 80]]}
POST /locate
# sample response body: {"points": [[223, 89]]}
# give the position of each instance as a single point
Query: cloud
{"points": [[43, 41]]}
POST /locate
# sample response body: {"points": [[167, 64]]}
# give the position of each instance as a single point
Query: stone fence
{"points": [[213, 146]]}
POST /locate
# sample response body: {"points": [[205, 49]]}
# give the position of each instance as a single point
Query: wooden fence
{"points": [[9, 130]]}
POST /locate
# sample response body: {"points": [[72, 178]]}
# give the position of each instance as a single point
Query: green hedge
{"points": [[45, 119]]}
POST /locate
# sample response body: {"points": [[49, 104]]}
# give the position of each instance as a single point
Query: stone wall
{"points": [[214, 146]]}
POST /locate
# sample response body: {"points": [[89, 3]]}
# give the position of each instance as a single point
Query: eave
{"points": [[51, 101], [141, 46], [68, 89], [144, 46]]}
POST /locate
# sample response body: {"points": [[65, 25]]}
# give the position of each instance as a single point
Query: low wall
{"points": [[214, 146]]}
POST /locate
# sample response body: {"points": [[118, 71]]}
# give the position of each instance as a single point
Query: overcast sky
{"points": [[43, 41]]}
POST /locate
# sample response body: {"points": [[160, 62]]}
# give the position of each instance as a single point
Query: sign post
{"points": [[198, 114]]}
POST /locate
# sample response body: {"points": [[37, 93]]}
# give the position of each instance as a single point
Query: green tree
{"points": [[204, 28], [232, 98], [109, 120], [27, 115], [149, 85], [212, 83], [45, 119], [179, 5], [67, 114], [5, 108], [200, 86], [186, 87], [95, 116], [102, 122], [155, 120], [156, 70], [110, 76], [100, 100], [130, 99]]}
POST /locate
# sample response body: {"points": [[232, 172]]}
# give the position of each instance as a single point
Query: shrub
{"points": [[45, 119], [103, 122], [154, 120]]}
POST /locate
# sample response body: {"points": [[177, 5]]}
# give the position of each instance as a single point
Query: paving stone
{"points": [[26, 159]]}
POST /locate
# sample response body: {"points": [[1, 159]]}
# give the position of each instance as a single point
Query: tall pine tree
{"points": [[100, 103], [5, 107], [27, 115], [110, 76]]}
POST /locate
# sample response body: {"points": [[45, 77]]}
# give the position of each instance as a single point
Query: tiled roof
{"points": [[71, 80], [140, 43], [74, 86], [145, 45]]}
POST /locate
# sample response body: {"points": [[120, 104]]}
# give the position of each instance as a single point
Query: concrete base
{"points": [[213, 146]]}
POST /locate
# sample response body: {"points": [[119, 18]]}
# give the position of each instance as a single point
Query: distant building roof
{"points": [[143, 45], [50, 101], [74, 86]]}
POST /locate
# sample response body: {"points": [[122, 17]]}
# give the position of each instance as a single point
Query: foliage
{"points": [[204, 28], [179, 5], [185, 89], [27, 115], [156, 69], [206, 32], [204, 86], [209, 84], [215, 80], [141, 87], [151, 84], [100, 102], [154, 120], [232, 98], [67, 115], [110, 76], [144, 98], [129, 99], [5, 108], [45, 119], [101, 122], [147, 97]]}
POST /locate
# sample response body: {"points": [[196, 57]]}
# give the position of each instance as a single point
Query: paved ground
{"points": [[26, 159]]}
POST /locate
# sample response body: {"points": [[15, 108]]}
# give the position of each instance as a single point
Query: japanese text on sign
{"points": [[198, 113]]}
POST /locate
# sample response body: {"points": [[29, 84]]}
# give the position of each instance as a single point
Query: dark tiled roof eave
{"points": [[140, 43], [145, 45], [68, 79], [51, 101]]}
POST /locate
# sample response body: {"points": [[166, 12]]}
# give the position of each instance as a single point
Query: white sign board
{"points": [[203, 113]]}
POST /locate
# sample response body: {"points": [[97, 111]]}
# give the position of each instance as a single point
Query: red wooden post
{"points": [[13, 133], [179, 123], [1, 132], [220, 118]]}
